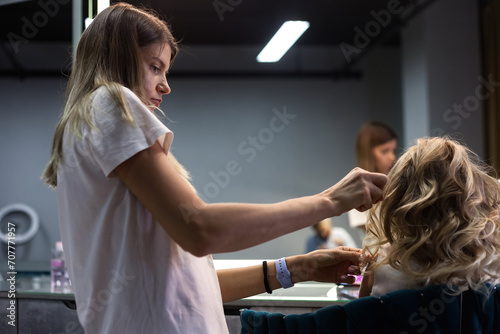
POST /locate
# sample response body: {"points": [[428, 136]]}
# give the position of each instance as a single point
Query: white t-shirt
{"points": [[128, 275]]}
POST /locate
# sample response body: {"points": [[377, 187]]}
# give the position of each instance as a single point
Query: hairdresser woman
{"points": [[138, 239]]}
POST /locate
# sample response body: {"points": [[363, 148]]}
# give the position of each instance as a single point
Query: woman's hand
{"points": [[326, 265], [359, 190]]}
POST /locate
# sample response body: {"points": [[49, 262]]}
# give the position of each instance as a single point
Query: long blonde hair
{"points": [[440, 215], [108, 54]]}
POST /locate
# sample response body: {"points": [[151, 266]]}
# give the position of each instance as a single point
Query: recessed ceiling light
{"points": [[283, 40]]}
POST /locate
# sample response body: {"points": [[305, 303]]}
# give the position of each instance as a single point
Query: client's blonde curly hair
{"points": [[440, 215]]}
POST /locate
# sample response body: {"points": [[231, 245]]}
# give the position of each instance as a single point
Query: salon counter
{"points": [[37, 309]]}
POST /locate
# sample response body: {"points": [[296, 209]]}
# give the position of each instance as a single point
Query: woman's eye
{"points": [[156, 70]]}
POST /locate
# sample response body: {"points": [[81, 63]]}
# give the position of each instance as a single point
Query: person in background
{"points": [[327, 237], [137, 238], [439, 223], [376, 144]]}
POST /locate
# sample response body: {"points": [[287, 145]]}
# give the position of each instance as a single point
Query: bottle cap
{"points": [[59, 246]]}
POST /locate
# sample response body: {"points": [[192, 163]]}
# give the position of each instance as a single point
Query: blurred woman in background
{"points": [[376, 144]]}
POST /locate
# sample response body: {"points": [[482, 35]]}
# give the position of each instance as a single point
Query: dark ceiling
{"points": [[247, 23], [242, 22]]}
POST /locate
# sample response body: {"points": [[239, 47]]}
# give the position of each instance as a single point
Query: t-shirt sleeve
{"points": [[114, 139]]}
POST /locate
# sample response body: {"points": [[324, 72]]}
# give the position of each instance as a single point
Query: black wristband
{"points": [[266, 283]]}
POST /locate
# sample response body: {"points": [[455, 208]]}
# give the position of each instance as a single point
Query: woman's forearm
{"points": [[227, 227], [244, 282], [239, 283]]}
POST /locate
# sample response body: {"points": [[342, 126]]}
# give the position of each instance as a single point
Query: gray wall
{"points": [[441, 66], [312, 152], [29, 110]]}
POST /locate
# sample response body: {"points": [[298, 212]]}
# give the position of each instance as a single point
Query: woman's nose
{"points": [[393, 157], [164, 88]]}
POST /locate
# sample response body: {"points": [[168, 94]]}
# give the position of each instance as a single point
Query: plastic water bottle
{"points": [[59, 279]]}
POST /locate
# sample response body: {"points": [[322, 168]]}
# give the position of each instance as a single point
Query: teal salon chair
{"points": [[428, 310]]}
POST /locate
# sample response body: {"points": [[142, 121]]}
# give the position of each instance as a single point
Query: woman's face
{"points": [[384, 156], [156, 62]]}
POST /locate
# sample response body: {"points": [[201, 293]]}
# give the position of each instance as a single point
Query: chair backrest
{"points": [[428, 310]]}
